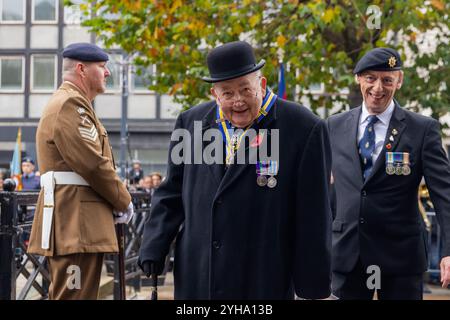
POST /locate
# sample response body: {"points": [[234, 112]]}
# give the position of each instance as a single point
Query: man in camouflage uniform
{"points": [[81, 197]]}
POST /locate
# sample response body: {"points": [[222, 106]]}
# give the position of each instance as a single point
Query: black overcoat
{"points": [[238, 240]]}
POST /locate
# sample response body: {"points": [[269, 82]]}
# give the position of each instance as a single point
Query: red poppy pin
{"points": [[388, 146], [257, 140]]}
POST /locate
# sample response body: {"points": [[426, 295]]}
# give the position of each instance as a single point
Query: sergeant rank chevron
{"points": [[88, 134]]}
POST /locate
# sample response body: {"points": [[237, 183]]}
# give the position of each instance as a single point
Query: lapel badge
{"points": [[388, 146], [257, 140], [391, 139], [394, 132], [81, 110]]}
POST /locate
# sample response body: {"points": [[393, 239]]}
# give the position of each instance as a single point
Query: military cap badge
{"points": [[392, 62]]}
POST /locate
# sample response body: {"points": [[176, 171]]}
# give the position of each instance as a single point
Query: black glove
{"points": [[149, 267]]}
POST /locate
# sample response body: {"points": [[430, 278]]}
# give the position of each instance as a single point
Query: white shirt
{"points": [[380, 127]]}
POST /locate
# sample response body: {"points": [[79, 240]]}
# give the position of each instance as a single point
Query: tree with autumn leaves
{"points": [[319, 42]]}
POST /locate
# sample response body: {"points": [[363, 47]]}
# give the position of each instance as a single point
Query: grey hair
{"points": [[69, 65]]}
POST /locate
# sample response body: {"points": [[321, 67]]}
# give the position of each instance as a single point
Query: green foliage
{"points": [[320, 41]]}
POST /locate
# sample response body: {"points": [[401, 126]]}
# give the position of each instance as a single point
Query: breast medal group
{"points": [[398, 163]]}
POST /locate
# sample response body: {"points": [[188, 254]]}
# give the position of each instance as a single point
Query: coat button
{"points": [[364, 193], [361, 220], [216, 244]]}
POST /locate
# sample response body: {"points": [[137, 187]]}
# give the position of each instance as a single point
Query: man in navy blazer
{"points": [[252, 230], [380, 154]]}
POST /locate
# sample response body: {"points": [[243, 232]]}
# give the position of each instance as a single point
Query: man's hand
{"points": [[124, 217], [149, 267], [445, 271]]}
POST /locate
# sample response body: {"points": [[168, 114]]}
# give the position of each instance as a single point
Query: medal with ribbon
{"points": [[406, 166], [390, 169]]}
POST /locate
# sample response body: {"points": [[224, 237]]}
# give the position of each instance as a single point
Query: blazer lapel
{"points": [[209, 121], [399, 125], [352, 144]]}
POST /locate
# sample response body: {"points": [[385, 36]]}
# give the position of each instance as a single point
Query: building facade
{"points": [[33, 34]]}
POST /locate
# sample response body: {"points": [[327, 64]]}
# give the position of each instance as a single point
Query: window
{"points": [[113, 82], [43, 73], [45, 10], [73, 14], [140, 80], [11, 73], [12, 11]]}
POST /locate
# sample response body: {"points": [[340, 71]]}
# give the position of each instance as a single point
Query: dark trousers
{"points": [[353, 285]]}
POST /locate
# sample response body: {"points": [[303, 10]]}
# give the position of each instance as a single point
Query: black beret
{"points": [[379, 59], [85, 52], [28, 159]]}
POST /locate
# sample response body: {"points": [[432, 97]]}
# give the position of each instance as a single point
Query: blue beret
{"points": [[85, 52], [379, 59]]}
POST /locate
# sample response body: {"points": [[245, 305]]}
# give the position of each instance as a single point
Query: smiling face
{"points": [[240, 99], [378, 88]]}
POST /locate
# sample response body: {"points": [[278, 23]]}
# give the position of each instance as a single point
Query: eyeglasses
{"points": [[230, 96]]}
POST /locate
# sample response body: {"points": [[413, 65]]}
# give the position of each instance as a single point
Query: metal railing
{"points": [[15, 225], [16, 213]]}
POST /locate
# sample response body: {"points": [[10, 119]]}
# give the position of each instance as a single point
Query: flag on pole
{"points": [[16, 164], [281, 83]]}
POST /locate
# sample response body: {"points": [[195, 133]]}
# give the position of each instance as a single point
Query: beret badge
{"points": [[392, 62]]}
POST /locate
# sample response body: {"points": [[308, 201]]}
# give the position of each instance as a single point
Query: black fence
{"points": [[16, 214]]}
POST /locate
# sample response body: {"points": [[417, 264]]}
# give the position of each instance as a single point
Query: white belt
{"points": [[48, 182]]}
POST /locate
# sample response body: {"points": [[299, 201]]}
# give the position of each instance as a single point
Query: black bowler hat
{"points": [[85, 52], [379, 59], [231, 60]]}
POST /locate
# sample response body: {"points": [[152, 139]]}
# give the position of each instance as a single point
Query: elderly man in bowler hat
{"points": [[380, 154], [246, 230], [82, 196]]}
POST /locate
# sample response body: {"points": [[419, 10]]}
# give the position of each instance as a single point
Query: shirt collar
{"points": [[384, 117], [30, 175]]}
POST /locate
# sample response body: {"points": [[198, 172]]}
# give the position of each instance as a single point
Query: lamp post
{"points": [[123, 121]]}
